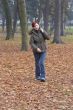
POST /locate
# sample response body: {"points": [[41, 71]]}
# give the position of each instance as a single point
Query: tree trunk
{"points": [[57, 22], [62, 19], [23, 23], [8, 19], [46, 15], [3, 23], [15, 17], [40, 10]]}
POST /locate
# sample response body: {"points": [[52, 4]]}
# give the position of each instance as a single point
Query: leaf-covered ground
{"points": [[20, 91]]}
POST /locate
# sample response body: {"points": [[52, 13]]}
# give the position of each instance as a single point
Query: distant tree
{"points": [[32, 9], [15, 17], [64, 6], [3, 22], [44, 12]]}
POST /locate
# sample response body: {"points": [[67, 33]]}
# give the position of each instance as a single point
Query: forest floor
{"points": [[18, 88]]}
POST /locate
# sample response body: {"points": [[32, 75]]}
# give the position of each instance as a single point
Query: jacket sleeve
{"points": [[33, 46], [45, 35]]}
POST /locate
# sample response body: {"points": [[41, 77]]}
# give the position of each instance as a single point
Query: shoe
{"points": [[42, 79], [38, 78]]}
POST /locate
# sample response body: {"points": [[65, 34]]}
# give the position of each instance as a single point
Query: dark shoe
{"points": [[42, 80]]}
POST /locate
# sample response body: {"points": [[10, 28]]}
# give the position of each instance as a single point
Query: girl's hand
{"points": [[41, 29], [38, 50]]}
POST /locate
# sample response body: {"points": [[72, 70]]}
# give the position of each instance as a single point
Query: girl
{"points": [[38, 45]]}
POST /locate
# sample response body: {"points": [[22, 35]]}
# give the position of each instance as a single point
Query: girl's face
{"points": [[36, 26]]}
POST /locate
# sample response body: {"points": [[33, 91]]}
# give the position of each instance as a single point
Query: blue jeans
{"points": [[39, 64]]}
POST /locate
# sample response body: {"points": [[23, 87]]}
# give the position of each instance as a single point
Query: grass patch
{"points": [[68, 38]]}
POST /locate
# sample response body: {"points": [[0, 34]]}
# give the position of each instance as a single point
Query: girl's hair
{"points": [[33, 23]]}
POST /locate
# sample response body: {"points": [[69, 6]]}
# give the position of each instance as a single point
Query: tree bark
{"points": [[40, 10], [15, 17], [62, 19], [46, 15], [57, 22], [3, 23], [8, 19], [23, 23]]}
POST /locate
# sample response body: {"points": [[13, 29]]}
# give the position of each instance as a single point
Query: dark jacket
{"points": [[37, 40]]}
